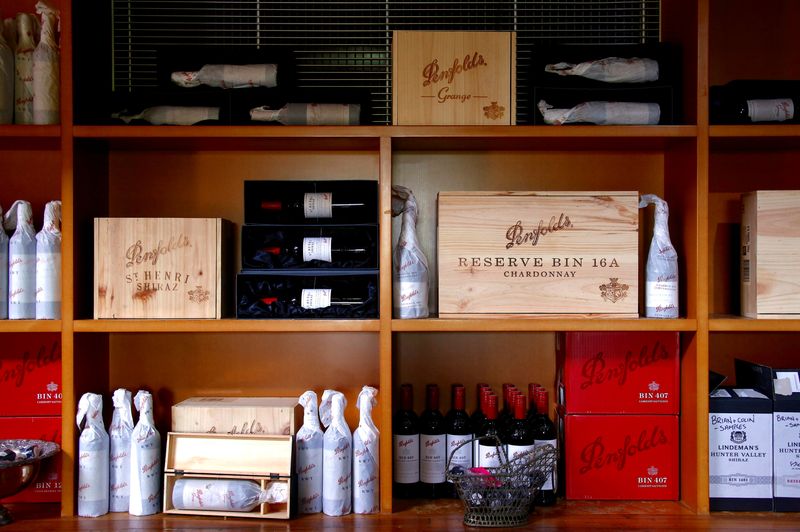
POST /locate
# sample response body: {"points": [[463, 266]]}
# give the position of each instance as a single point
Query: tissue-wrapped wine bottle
{"points": [[21, 262], [46, 69], [119, 433], [309, 457], [366, 462], [337, 455], [93, 457], [145, 460], [48, 264]]}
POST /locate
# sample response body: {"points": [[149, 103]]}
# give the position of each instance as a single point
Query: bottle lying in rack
{"points": [[755, 101], [309, 114], [603, 113], [313, 205], [269, 247], [229, 76], [313, 298]]}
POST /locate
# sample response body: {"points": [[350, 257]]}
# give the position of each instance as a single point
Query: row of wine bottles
{"points": [[425, 446]]}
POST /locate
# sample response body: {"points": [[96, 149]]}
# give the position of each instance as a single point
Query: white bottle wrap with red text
{"points": [[119, 434], [23, 69], [337, 455], [409, 264], [225, 495], [93, 458], [146, 477], [3, 267], [366, 462], [21, 261], [48, 264], [46, 69], [661, 274], [308, 459]]}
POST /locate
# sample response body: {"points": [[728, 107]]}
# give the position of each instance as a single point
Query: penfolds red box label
{"points": [[30, 374], [621, 457], [46, 487], [619, 372]]}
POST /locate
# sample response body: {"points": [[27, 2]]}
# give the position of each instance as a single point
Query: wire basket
{"points": [[503, 495]]}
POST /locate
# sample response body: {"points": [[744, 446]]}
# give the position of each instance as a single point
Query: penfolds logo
{"points": [[517, 235], [594, 370], [342, 449], [432, 73], [152, 465], [409, 296], [307, 468], [137, 254], [117, 457], [117, 487], [364, 481], [432, 442], [27, 364], [595, 456], [404, 443], [344, 479], [310, 498]]}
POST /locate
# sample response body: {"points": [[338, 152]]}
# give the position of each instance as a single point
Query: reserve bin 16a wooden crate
{"points": [[770, 248], [162, 267], [538, 253], [258, 458]]}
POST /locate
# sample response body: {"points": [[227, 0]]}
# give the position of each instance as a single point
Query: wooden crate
{"points": [[453, 78], [238, 415], [161, 267], [260, 458], [538, 253], [770, 252]]}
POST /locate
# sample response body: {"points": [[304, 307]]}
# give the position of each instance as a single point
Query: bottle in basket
{"points": [[406, 446], [432, 447], [478, 417], [545, 433], [459, 430]]}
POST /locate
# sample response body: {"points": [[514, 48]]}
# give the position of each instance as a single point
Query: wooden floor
{"points": [[437, 515]]}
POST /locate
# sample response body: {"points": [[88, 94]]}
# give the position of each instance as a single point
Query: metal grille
{"points": [[348, 44]]}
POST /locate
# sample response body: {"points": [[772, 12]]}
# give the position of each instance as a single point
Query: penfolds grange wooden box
{"points": [[453, 78], [161, 267], [238, 415], [538, 253], [266, 461], [770, 252]]}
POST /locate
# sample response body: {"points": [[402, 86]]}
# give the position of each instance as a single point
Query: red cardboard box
{"points": [[30, 374], [627, 457], [619, 372], [47, 485]]}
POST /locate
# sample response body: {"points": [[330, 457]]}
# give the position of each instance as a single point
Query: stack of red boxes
{"points": [[30, 395], [619, 399]]}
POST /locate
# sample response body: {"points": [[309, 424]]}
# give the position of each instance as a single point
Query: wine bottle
{"points": [[319, 248], [432, 447], [229, 76], [755, 100], [406, 446], [489, 454], [312, 298], [23, 68], [46, 69], [6, 81], [520, 437], [532, 391], [766, 110], [459, 431], [309, 114], [478, 417], [545, 433], [313, 205]]}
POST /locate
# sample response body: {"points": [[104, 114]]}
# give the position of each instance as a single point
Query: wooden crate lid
{"points": [[249, 454], [225, 402], [578, 193]]}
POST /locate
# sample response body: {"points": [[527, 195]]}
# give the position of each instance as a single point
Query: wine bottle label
{"points": [[410, 294], [315, 298], [318, 205], [432, 461], [462, 456], [661, 299], [518, 450], [317, 249], [327, 114], [406, 458], [550, 482], [777, 110], [488, 456]]}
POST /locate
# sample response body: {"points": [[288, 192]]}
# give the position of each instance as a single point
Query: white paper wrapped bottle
{"points": [[610, 69], [366, 463], [48, 264], [602, 113], [409, 264], [225, 495], [119, 433], [229, 76], [172, 115], [21, 261], [6, 81], [337, 455], [46, 69], [3, 270], [93, 457], [23, 69], [309, 457], [661, 272], [309, 114], [10, 32], [145, 498]]}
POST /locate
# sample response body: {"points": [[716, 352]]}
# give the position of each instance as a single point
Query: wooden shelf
{"points": [[542, 325], [27, 131], [728, 323], [30, 326], [224, 326]]}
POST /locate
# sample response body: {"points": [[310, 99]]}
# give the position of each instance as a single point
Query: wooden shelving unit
{"points": [[700, 169]]}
